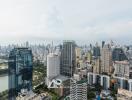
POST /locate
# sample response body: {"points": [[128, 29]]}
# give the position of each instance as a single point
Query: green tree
{"points": [[91, 95]]}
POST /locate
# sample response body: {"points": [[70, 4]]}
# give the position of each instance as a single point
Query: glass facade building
{"points": [[96, 52], [20, 71], [68, 57], [118, 55]]}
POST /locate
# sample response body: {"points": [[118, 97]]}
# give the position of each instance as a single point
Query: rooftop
{"points": [[82, 81], [122, 62]]}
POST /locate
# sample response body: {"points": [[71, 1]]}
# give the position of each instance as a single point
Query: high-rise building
{"points": [[78, 52], [96, 52], [68, 58], [106, 59], [98, 79], [96, 59], [20, 71], [130, 84], [78, 90], [90, 78], [96, 65], [103, 43], [89, 56], [118, 55], [105, 82], [93, 78], [121, 69], [53, 65], [123, 83], [78, 56]]}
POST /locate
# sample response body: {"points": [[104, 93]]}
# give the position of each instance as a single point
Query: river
{"points": [[4, 77], [3, 83]]}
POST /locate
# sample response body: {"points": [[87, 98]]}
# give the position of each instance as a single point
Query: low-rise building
{"points": [[29, 95], [124, 95], [105, 94]]}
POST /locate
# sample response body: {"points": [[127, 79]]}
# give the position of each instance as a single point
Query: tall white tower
{"points": [[53, 65]]}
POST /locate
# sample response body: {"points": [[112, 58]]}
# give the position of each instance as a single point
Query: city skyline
{"points": [[101, 71], [58, 20]]}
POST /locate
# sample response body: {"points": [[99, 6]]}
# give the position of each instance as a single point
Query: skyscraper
{"points": [[53, 65], [20, 71], [105, 81], [78, 90], [106, 59], [78, 52], [118, 55], [68, 57], [96, 51], [96, 59], [96, 65], [121, 69]]}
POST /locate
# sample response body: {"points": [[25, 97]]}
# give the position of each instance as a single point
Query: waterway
{"points": [[3, 77], [3, 83]]}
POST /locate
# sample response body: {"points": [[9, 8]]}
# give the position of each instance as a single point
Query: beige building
{"points": [[124, 95], [78, 52], [106, 59], [121, 69], [89, 56], [78, 57], [96, 66], [80, 64]]}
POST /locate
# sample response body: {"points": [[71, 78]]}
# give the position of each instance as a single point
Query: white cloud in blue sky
{"points": [[90, 20]]}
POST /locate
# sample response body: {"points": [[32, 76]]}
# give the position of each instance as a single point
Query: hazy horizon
{"points": [[58, 42]]}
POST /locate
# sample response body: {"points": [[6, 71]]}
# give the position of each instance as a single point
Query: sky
{"points": [[80, 20]]}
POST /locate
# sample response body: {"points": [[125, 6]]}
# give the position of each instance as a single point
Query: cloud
{"points": [[65, 19]]}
